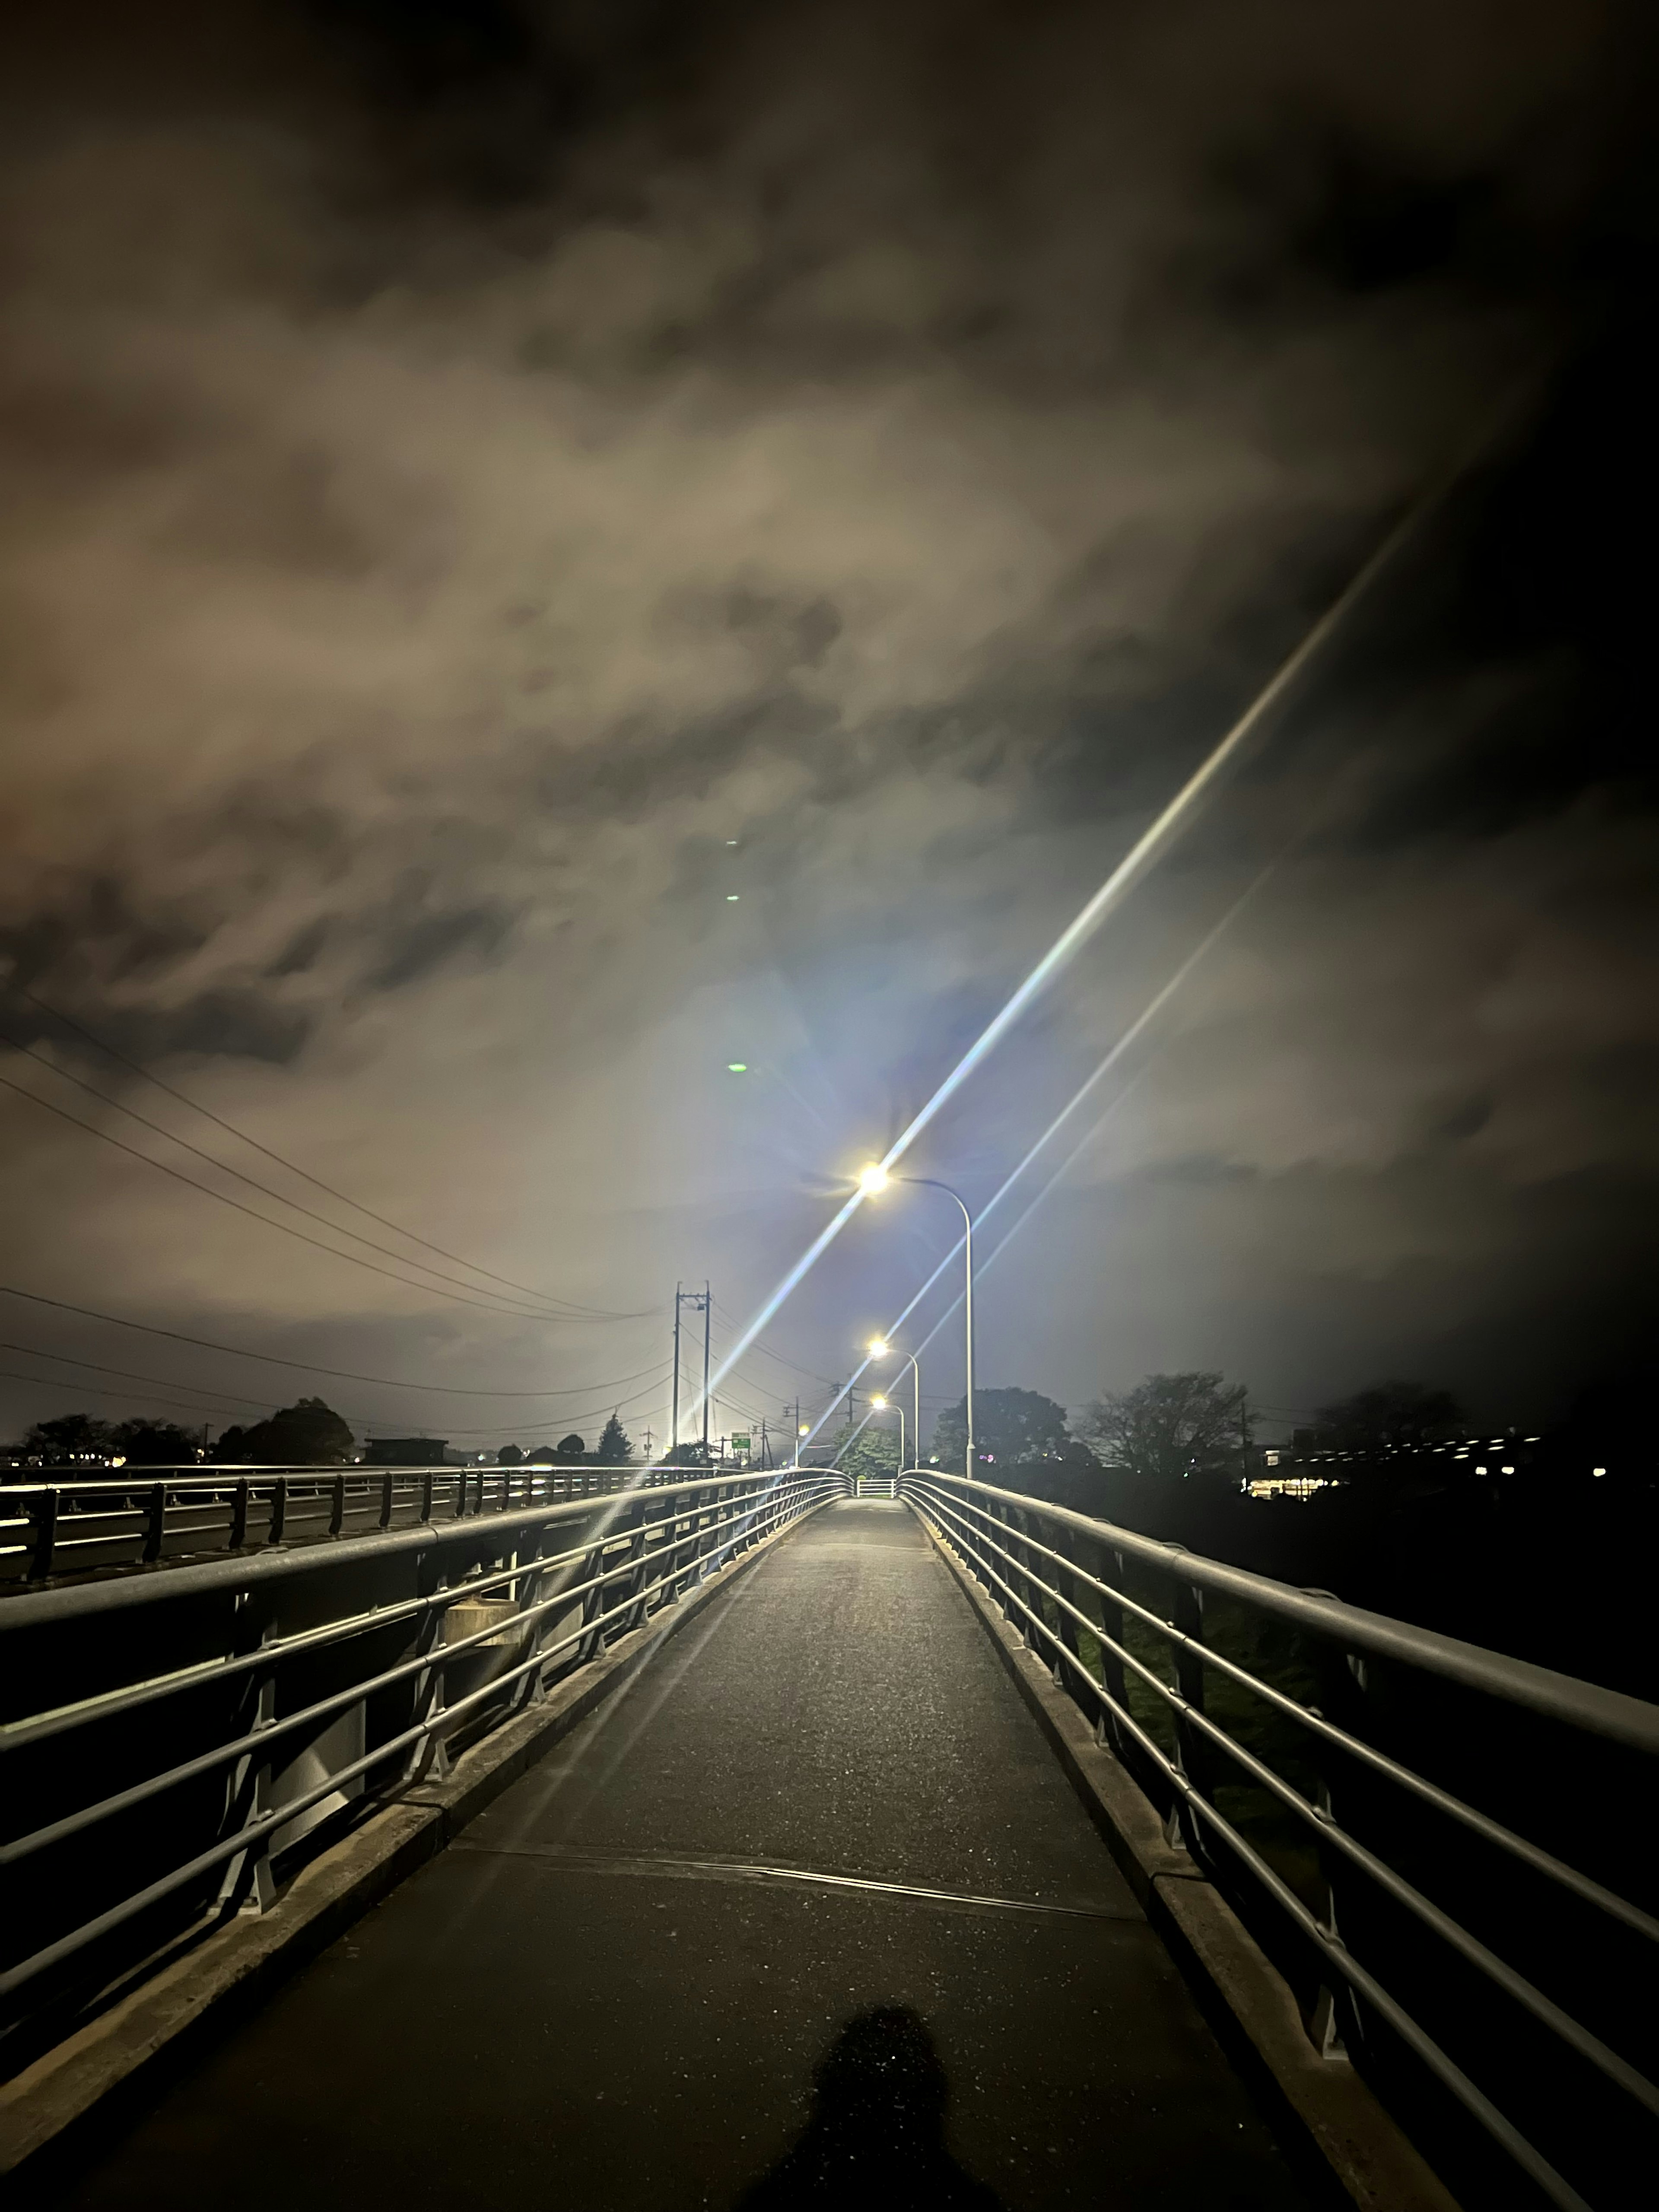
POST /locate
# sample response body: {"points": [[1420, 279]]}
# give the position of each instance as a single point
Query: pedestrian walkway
{"points": [[808, 1915]]}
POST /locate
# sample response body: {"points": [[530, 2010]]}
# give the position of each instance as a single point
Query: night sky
{"points": [[549, 550]]}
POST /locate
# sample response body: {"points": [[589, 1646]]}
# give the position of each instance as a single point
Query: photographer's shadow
{"points": [[875, 2135]]}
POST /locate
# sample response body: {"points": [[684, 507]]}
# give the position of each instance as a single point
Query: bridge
{"points": [[711, 1838]]}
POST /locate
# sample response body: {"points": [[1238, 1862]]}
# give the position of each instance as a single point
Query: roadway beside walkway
{"points": [[819, 1838]]}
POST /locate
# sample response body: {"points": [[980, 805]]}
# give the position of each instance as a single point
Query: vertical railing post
{"points": [[1343, 1679], [156, 1521], [429, 1754], [1071, 1679], [336, 1507], [43, 1535], [1192, 1752], [425, 1496], [1112, 1673], [634, 1521], [239, 1514], [385, 1499], [592, 1605], [278, 1509], [247, 1884]]}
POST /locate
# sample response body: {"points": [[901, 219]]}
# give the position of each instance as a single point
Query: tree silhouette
{"points": [[1172, 1427], [155, 1444], [509, 1456], [615, 1447], [1016, 1426], [572, 1449], [308, 1433], [70, 1436]]}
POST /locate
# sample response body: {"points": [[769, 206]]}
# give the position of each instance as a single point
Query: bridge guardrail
{"points": [[1428, 1935], [68, 1524], [171, 1743]]}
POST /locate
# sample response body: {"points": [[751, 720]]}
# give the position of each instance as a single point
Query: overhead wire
{"points": [[576, 1306], [301, 1366], [285, 1229], [157, 1128]]}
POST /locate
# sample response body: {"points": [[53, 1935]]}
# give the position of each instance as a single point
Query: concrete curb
{"points": [[248, 1957], [1331, 2127]]}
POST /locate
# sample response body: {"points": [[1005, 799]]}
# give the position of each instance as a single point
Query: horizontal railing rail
{"points": [[1286, 1767], [169, 1739], [65, 1524]]}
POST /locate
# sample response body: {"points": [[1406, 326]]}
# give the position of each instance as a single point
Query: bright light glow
{"points": [[873, 1178], [732, 897], [736, 1067], [880, 1404], [1147, 850], [1598, 1470], [877, 1347], [805, 1430]]}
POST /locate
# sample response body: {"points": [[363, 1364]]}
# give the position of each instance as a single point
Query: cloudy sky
{"points": [[549, 549]]}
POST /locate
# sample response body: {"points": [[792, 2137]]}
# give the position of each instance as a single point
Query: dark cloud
{"points": [[547, 544]]}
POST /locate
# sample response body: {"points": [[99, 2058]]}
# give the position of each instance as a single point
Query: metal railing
{"points": [[172, 1745], [1434, 1842], [59, 1525]]}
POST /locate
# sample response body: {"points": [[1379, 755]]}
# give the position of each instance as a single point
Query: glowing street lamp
{"points": [[879, 1404], [873, 1180], [878, 1348]]}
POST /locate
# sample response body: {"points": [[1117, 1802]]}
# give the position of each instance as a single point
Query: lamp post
{"points": [[875, 1179], [880, 1406], [878, 1348]]}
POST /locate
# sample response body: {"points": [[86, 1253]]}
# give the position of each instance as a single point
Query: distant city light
{"points": [[1598, 1470], [731, 840], [1506, 1470], [732, 897], [736, 1067]]}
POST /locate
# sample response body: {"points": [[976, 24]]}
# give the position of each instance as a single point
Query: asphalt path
{"points": [[806, 1915]]}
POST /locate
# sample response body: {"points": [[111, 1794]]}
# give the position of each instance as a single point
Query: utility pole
{"points": [[700, 1302], [674, 1418]]}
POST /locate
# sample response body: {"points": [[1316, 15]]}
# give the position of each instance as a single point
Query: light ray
{"points": [[1148, 848]]}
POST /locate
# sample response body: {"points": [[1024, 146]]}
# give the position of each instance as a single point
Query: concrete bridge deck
{"points": [[819, 1837]]}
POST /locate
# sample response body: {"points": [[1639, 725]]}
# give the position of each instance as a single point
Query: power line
{"points": [[252, 1182], [67, 1360], [512, 1313], [596, 1313], [302, 1366], [96, 1390]]}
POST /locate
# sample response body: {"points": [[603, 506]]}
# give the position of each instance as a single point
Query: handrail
{"points": [[65, 1524], [994, 1532], [620, 1560], [1608, 1713]]}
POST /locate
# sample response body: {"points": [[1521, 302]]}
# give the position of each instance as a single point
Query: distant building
{"points": [[405, 1451]]}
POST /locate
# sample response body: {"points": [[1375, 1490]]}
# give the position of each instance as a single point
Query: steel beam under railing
{"points": [[1084, 1596]]}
